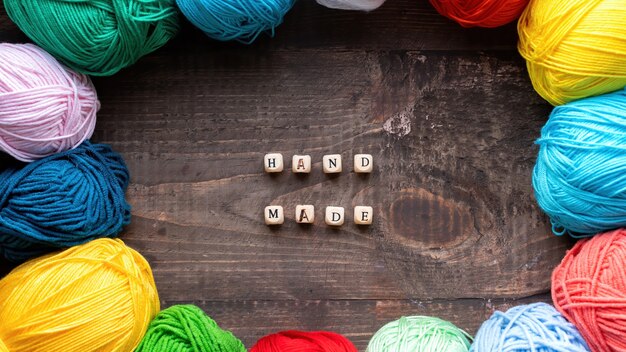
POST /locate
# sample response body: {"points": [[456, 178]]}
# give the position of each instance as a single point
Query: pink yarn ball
{"points": [[45, 108]]}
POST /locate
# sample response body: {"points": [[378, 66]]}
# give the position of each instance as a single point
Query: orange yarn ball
{"points": [[589, 289], [481, 13]]}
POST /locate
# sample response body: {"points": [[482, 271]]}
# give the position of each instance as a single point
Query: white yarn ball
{"points": [[363, 5]]}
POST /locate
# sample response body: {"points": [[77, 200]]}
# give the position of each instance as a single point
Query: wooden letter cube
{"points": [[334, 216], [301, 164], [274, 215], [363, 163], [332, 163], [273, 162], [305, 214], [363, 215]]}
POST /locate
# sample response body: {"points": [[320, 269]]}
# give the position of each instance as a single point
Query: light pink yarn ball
{"points": [[45, 108]]}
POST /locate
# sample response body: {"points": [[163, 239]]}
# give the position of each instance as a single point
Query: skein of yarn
{"points": [[362, 5], [580, 174], [480, 13], [589, 289], [98, 37], [185, 328], [567, 57], [241, 20], [419, 333], [292, 340], [96, 297], [62, 200], [534, 327], [44, 107]]}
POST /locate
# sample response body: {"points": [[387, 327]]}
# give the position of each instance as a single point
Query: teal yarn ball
{"points": [[535, 327], [241, 20], [579, 178], [419, 334], [96, 37], [62, 200]]}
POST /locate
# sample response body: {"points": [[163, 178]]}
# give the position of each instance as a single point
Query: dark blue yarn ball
{"points": [[63, 200]]}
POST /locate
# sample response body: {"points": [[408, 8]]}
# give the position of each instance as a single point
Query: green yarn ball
{"points": [[419, 334], [97, 37], [185, 328]]}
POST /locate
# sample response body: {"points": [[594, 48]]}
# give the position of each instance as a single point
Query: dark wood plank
{"points": [[448, 114]]}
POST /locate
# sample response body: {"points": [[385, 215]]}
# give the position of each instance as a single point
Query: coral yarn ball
{"points": [[481, 13], [589, 289], [45, 108]]}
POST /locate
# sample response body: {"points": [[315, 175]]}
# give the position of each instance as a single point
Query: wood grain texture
{"points": [[448, 114]]}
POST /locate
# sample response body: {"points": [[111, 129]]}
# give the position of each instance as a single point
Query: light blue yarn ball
{"points": [[580, 174], [537, 327], [241, 20]]}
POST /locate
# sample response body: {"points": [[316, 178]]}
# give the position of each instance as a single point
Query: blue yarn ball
{"points": [[580, 174], [241, 20], [537, 327], [62, 200]]}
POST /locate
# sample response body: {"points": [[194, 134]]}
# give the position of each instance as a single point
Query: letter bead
{"points": [[363, 215], [301, 164], [331, 164], [305, 214], [274, 215], [334, 216], [273, 162], [363, 163]]}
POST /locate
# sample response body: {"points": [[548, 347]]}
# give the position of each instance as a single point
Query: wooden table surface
{"points": [[448, 113]]}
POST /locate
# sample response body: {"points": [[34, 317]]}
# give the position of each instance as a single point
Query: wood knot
{"points": [[430, 221]]}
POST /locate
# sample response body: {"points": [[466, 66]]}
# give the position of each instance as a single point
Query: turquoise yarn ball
{"points": [[241, 20], [537, 327], [580, 175]]}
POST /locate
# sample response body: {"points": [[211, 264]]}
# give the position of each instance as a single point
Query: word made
{"points": [[305, 214]]}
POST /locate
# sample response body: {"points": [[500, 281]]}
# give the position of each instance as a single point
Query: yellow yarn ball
{"points": [[99, 296], [574, 48]]}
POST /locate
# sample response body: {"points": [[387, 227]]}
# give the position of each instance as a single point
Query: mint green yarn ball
{"points": [[419, 334], [97, 37]]}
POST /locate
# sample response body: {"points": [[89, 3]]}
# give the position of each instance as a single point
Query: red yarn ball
{"points": [[589, 289], [299, 341], [481, 13]]}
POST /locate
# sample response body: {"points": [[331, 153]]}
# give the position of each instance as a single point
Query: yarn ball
{"points": [[480, 13], [62, 200], [589, 289], [96, 297], [292, 340], [419, 333], [185, 328], [567, 56], [362, 5], [45, 108], [241, 20], [535, 327], [97, 37], [580, 174]]}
